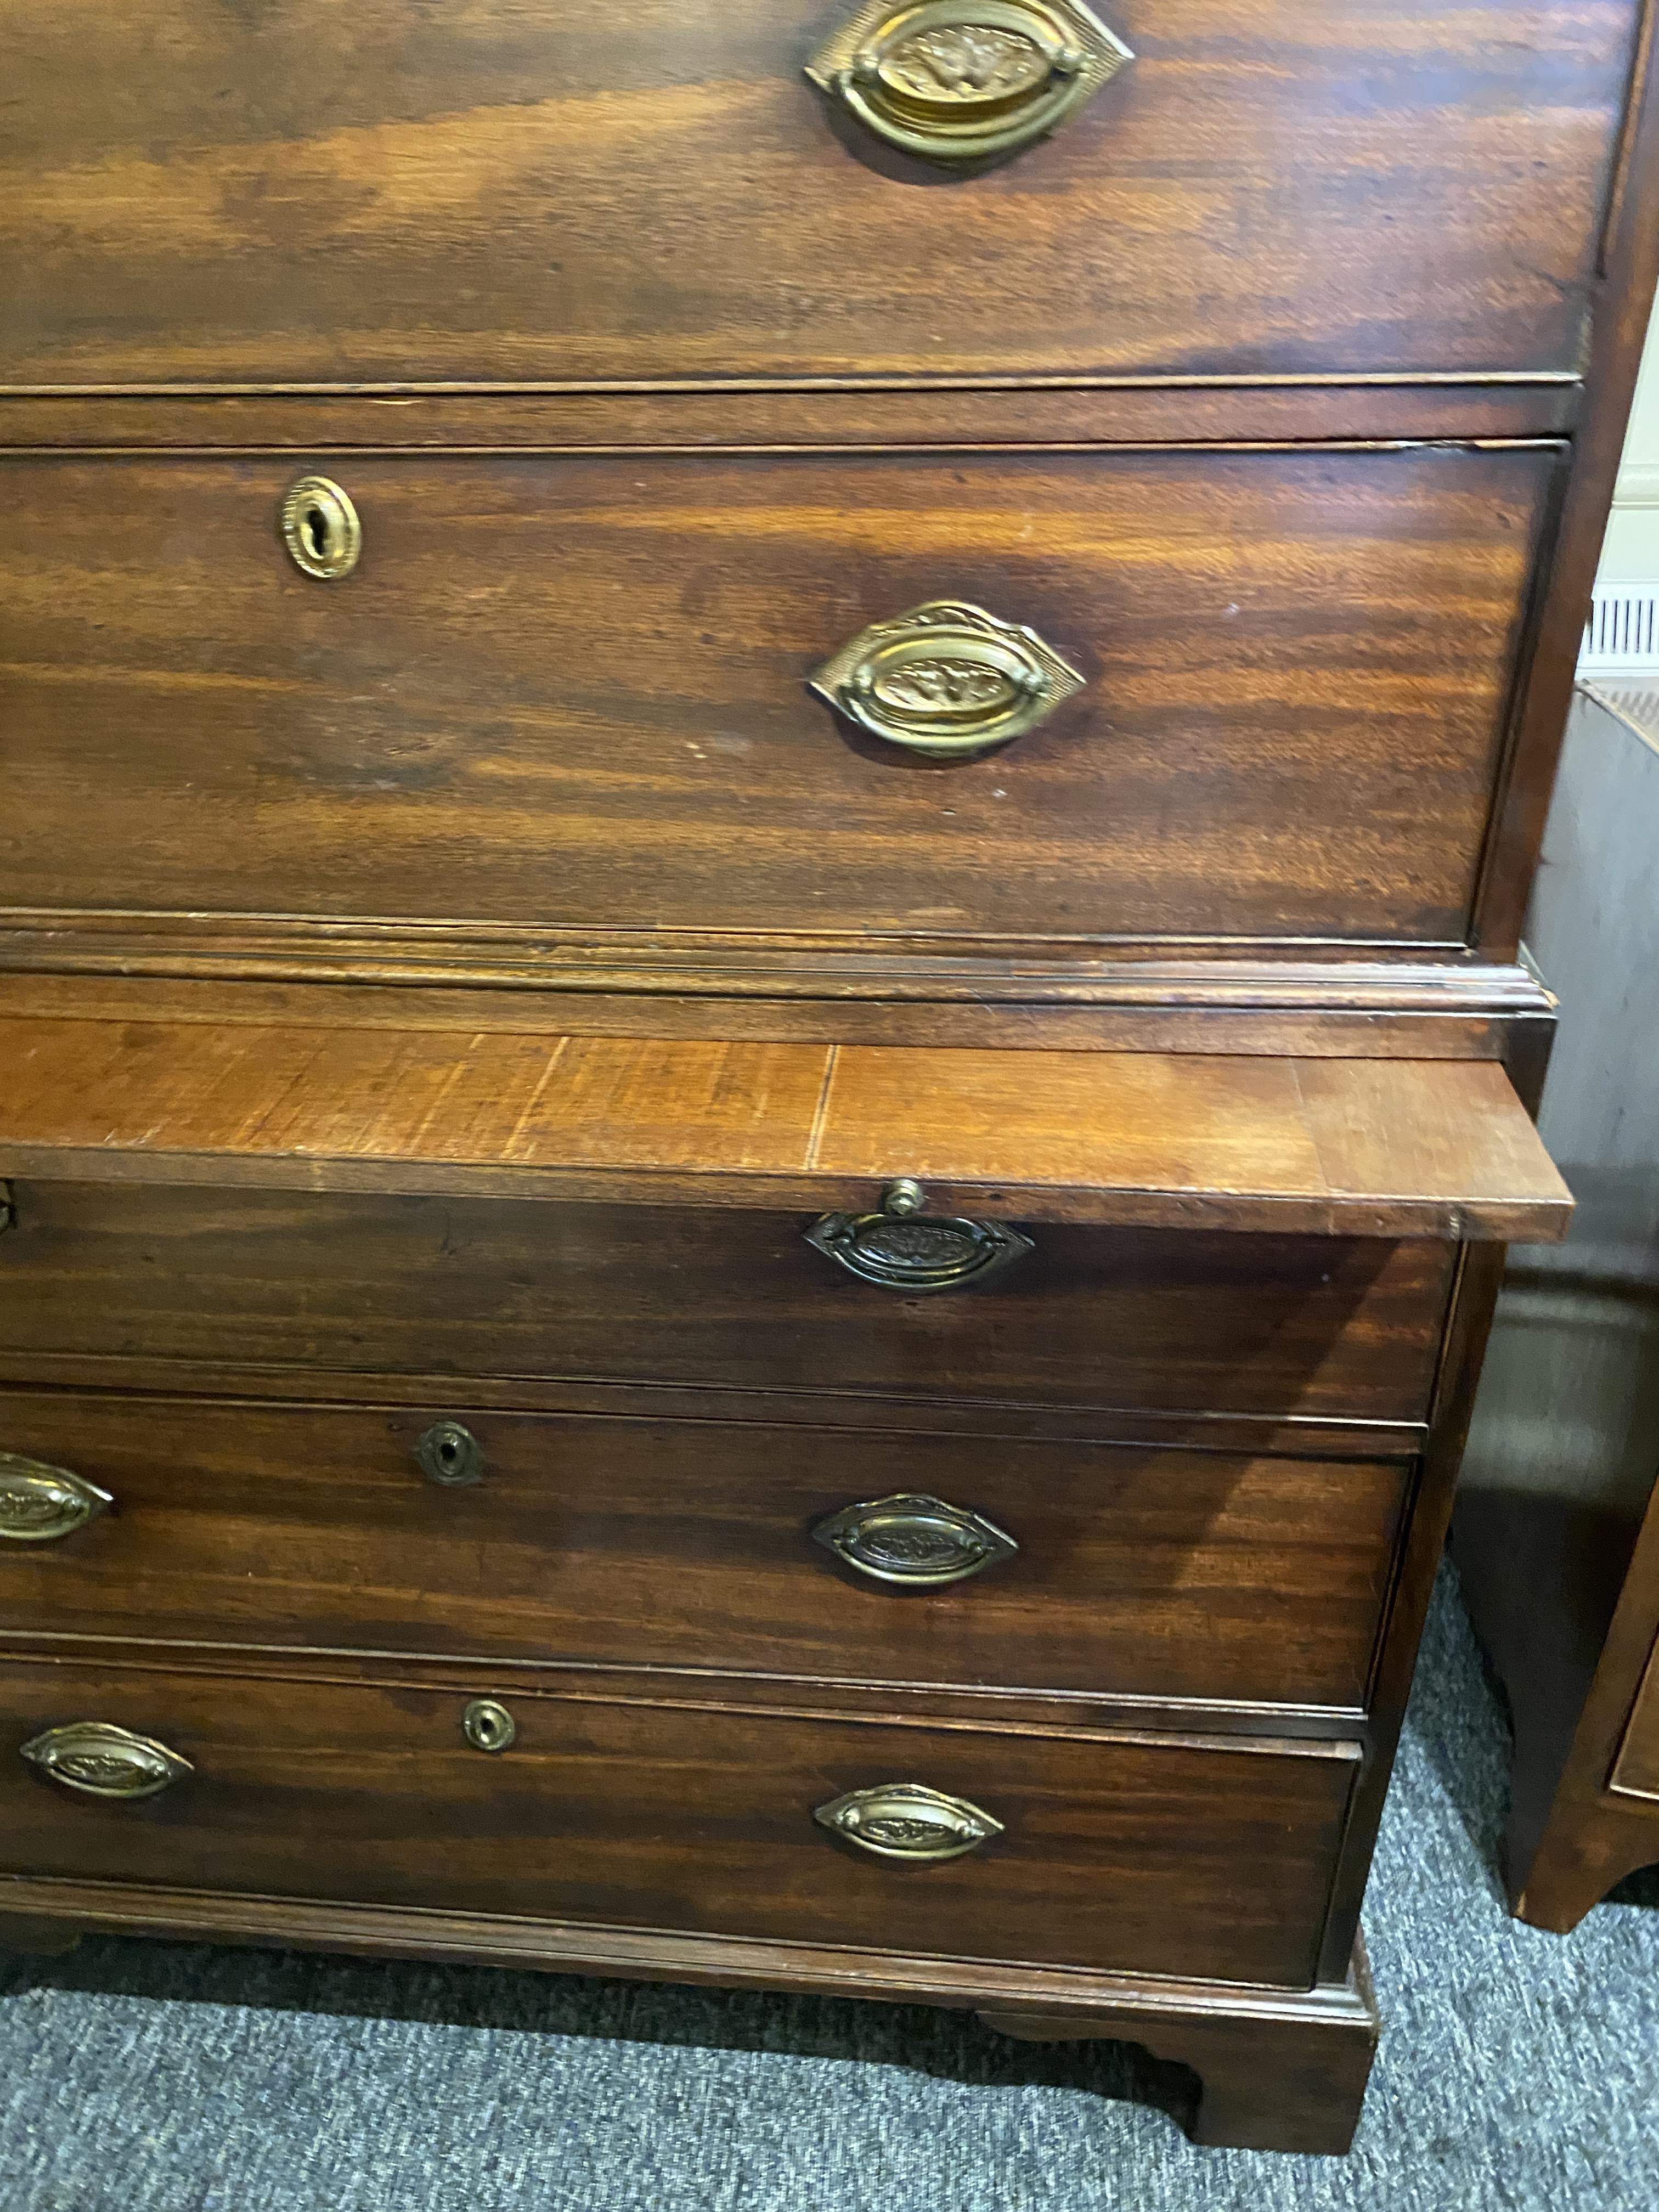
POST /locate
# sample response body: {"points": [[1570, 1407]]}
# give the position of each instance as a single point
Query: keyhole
{"points": [[488, 1726], [450, 1453], [320, 527]]}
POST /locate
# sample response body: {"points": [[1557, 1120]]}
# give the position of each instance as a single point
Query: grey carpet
{"points": [[1518, 2069]]}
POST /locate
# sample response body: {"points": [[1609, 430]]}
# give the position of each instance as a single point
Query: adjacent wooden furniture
{"points": [[1557, 1530], [770, 776]]}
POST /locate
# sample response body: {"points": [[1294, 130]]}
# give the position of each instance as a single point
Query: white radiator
{"points": [[1621, 637]]}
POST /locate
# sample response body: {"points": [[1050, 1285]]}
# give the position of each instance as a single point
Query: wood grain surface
{"points": [[689, 1545], [569, 693], [486, 193], [1267, 1008], [1376, 1148], [1040, 411], [1315, 1328], [1208, 1858]]}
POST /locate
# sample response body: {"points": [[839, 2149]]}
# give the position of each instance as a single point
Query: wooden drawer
{"points": [[205, 194], [1137, 1854], [1166, 1573], [571, 694], [1178, 1321]]}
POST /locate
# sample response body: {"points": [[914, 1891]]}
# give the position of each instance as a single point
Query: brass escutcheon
{"points": [[320, 528], [450, 1454], [488, 1725], [947, 680], [965, 81], [906, 1820]]}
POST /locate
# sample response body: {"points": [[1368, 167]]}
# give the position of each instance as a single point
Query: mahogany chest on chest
{"points": [[770, 772]]}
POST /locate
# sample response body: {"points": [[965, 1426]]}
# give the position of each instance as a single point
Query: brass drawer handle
{"points": [[320, 528], [963, 82], [39, 1504], [450, 1454], [899, 1250], [947, 680], [915, 1540], [905, 1820], [101, 1760]]}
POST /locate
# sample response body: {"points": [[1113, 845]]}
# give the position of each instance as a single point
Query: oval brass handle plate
{"points": [[101, 1760], [963, 82], [946, 680], [914, 1541], [450, 1454], [901, 1249], [39, 1504], [488, 1725], [906, 1821], [320, 528]]}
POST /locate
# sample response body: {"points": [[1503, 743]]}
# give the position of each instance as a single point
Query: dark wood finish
{"points": [[1623, 300], [1342, 1011], [1636, 1767], [1210, 1859], [1033, 412], [1462, 1350], [1383, 1149], [389, 195], [971, 1708], [614, 730], [1158, 1573], [353, 924], [1557, 1529], [1584, 1810], [1256, 1435], [1319, 2067], [1328, 1329]]}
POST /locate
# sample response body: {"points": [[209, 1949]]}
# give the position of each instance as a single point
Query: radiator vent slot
{"points": [[1621, 637]]}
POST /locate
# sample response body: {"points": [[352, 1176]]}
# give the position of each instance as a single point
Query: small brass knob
{"points": [[450, 1454], [963, 82], [99, 1759], [947, 680], [488, 1725], [320, 528]]}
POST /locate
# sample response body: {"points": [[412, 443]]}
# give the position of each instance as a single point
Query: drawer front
{"points": [[572, 693], [621, 1542], [392, 191], [1178, 1320], [1139, 1855]]}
